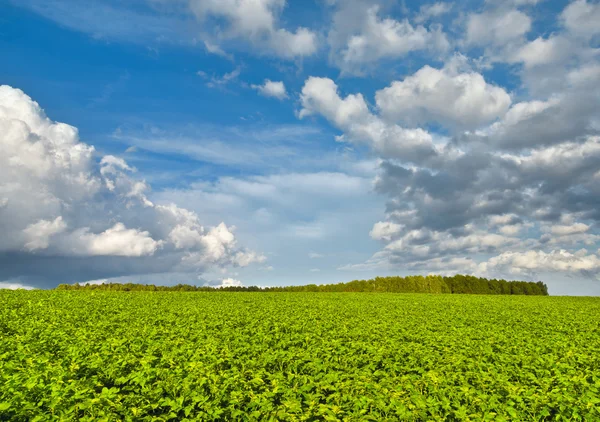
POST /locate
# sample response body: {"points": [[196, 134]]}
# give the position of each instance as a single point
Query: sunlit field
{"points": [[85, 355]]}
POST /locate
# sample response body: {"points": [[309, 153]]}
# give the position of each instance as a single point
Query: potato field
{"points": [[224, 356]]}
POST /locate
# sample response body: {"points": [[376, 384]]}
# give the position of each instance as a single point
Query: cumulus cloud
{"points": [[569, 113], [513, 181], [225, 282], [231, 282], [531, 263], [388, 38], [62, 201], [543, 51], [361, 35], [443, 96], [385, 230], [432, 11], [483, 204], [562, 230], [546, 59], [581, 18], [496, 27], [39, 233], [544, 181], [351, 114], [272, 89], [115, 241], [425, 244], [257, 22]]}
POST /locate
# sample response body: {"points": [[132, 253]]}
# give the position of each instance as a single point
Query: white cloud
{"points": [[115, 241], [511, 229], [500, 220], [315, 255], [58, 200], [320, 95], [9, 285], [584, 76], [533, 262], [353, 117], [217, 241], [216, 49], [385, 230], [502, 31], [497, 27], [122, 21], [564, 230], [38, 234], [387, 38], [256, 22], [541, 51], [220, 81], [523, 111], [433, 10], [246, 258], [581, 18], [463, 100], [230, 282], [186, 236], [563, 117], [272, 89], [427, 244]]}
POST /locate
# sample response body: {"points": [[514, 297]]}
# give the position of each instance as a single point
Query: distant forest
{"points": [[458, 284]]}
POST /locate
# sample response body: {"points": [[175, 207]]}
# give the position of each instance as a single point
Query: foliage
{"points": [[411, 284], [141, 356]]}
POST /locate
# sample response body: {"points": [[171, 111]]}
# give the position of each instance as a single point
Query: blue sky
{"points": [[335, 139]]}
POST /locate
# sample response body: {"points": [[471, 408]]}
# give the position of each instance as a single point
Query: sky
{"points": [[274, 142]]}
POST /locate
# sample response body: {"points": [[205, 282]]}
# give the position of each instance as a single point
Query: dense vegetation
{"points": [[411, 284], [142, 356]]}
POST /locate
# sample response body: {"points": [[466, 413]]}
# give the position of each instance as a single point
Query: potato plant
{"points": [[223, 356]]}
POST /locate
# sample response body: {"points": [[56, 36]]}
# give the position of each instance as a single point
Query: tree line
{"points": [[457, 284]]}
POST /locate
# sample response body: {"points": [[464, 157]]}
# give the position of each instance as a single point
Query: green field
{"points": [[86, 355]]}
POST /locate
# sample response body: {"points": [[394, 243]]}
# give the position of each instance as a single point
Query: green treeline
{"points": [[458, 284], [464, 284]]}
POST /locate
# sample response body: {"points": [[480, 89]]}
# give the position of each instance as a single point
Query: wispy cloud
{"points": [[250, 146], [215, 81], [102, 20], [108, 90], [217, 50]]}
